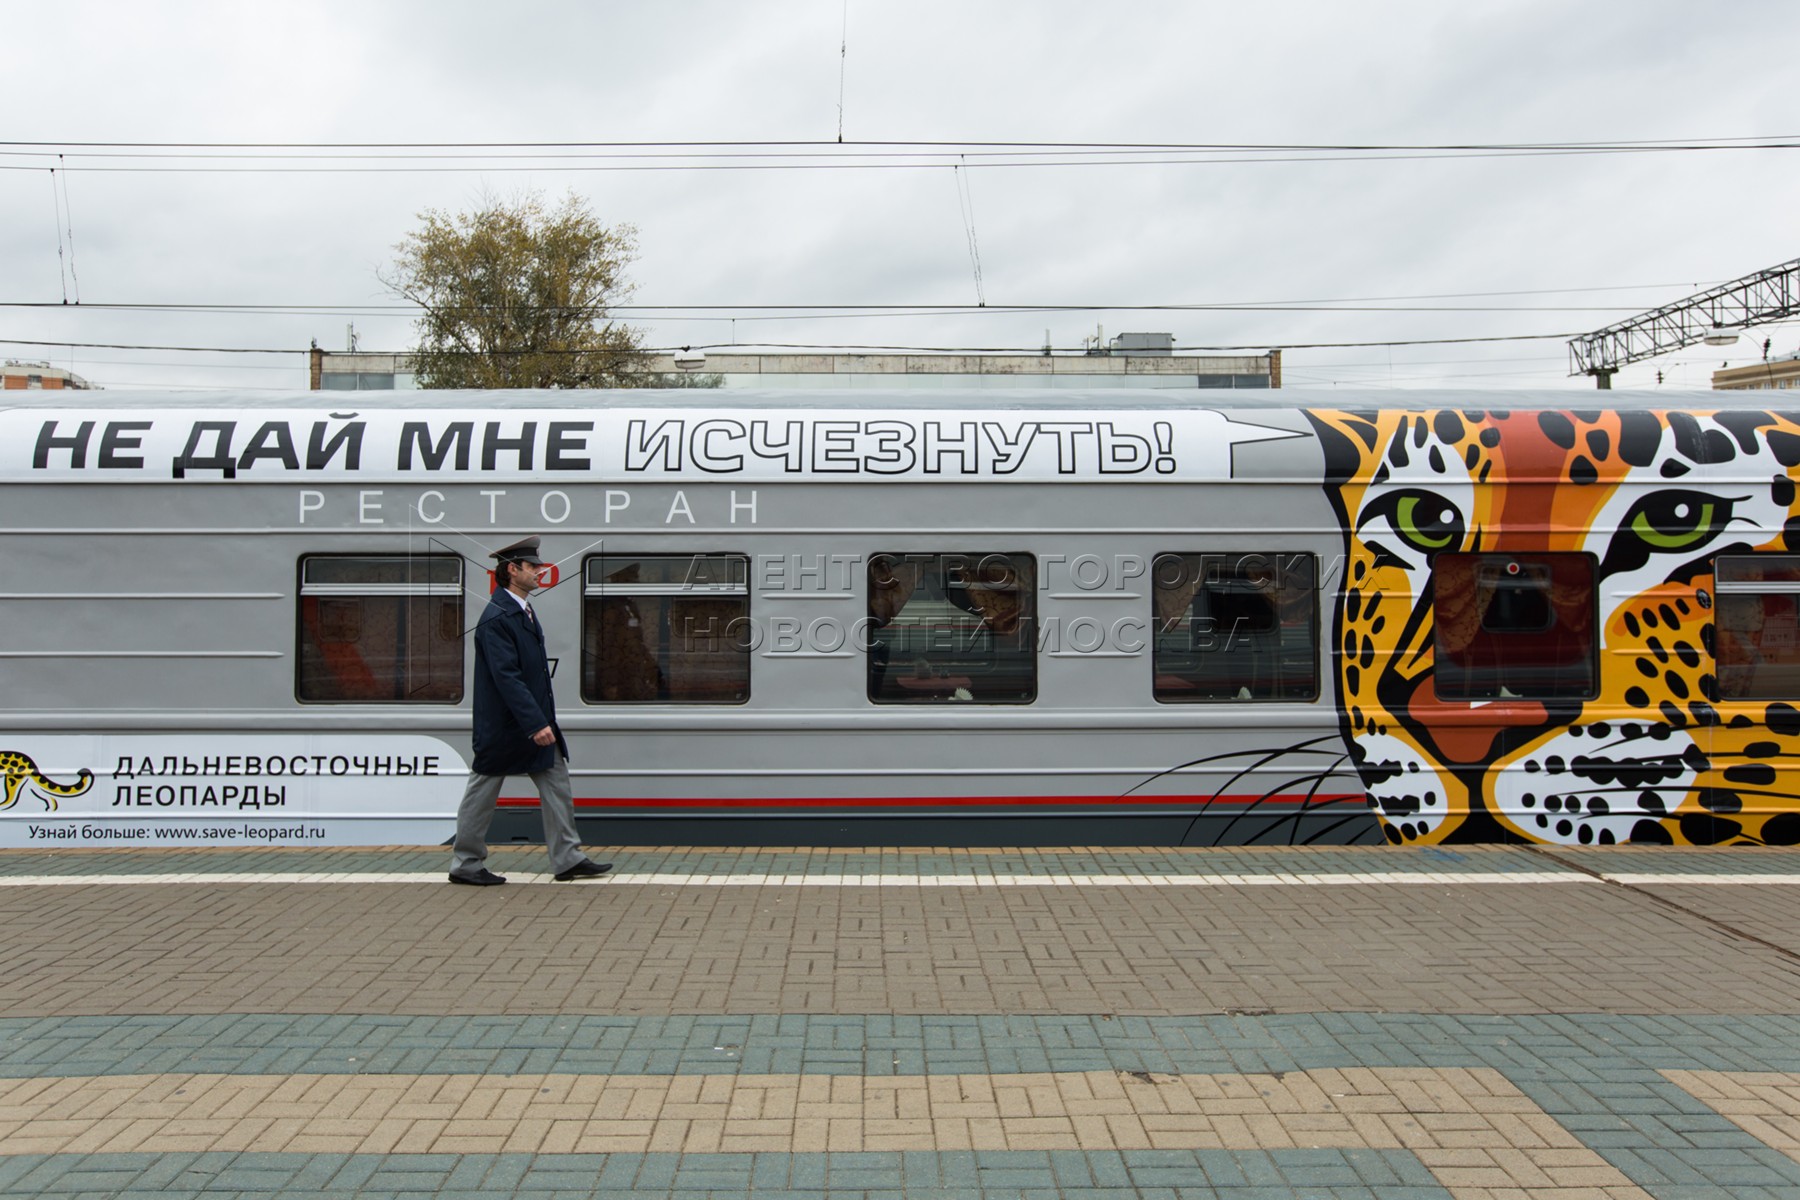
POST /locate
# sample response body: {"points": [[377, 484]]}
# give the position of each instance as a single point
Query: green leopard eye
{"points": [[1675, 520], [1426, 521]]}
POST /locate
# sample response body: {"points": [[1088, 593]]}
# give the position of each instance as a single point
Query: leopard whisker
{"points": [[1317, 778]]}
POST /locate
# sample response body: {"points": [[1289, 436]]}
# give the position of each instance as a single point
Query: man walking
{"points": [[515, 728]]}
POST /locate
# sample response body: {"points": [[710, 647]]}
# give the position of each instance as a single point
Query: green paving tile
{"points": [[1056, 1175]]}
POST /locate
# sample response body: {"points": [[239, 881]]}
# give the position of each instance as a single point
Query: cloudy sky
{"points": [[1445, 246]]}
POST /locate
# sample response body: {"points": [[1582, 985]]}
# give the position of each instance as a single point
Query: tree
{"points": [[516, 295]]}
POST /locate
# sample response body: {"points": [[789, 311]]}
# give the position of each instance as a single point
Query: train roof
{"points": [[890, 399]]}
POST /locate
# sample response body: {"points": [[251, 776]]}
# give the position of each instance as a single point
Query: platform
{"points": [[1255, 1024]]}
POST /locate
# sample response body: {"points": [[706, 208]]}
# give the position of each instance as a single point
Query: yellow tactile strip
{"points": [[1765, 1104], [1473, 1129]]}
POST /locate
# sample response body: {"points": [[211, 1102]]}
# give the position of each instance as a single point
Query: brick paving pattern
{"points": [[1249, 1024]]}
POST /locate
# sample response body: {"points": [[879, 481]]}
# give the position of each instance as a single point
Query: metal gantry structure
{"points": [[1715, 315]]}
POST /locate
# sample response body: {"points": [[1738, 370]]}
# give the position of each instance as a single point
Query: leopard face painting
{"points": [[19, 770], [1602, 529]]}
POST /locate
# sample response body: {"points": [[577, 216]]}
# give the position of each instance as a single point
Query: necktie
{"points": [[529, 615]]}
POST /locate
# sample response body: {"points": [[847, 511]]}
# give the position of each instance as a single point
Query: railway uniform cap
{"points": [[525, 550]]}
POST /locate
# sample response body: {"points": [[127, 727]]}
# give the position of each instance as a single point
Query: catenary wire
{"points": [[892, 142], [1256, 347], [487, 167]]}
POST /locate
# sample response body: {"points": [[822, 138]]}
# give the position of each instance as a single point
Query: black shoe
{"points": [[583, 870], [481, 878]]}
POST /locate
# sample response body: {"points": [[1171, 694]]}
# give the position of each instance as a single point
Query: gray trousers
{"points": [[556, 801]]}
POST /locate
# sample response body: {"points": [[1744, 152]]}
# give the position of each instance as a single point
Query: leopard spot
{"points": [[1783, 719], [1704, 829], [1784, 446], [1558, 428], [1719, 800], [1640, 436], [1754, 774], [1782, 829]]}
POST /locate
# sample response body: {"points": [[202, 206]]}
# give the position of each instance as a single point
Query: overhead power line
{"points": [[886, 143], [430, 157], [785, 312], [830, 310], [1255, 348]]}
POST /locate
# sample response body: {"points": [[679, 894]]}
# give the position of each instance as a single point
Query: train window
{"points": [[953, 628], [380, 630], [666, 629], [1235, 627], [1757, 626], [1514, 626]]}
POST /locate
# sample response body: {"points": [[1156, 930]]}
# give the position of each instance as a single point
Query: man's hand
{"points": [[545, 736]]}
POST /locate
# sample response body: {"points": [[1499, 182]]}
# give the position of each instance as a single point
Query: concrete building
{"points": [[18, 376], [1129, 361], [356, 371], [1775, 373]]}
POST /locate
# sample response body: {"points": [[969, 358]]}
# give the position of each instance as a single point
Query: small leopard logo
{"points": [[20, 770]]}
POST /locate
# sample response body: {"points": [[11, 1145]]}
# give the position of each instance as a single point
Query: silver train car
{"points": [[866, 617]]}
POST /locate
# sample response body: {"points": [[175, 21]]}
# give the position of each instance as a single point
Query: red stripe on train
{"points": [[1298, 800]]}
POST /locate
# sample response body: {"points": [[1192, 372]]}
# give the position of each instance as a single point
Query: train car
{"points": [[880, 617]]}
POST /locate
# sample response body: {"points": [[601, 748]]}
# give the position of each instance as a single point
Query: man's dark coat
{"points": [[513, 699]]}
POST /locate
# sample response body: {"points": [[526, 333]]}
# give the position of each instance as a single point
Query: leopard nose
{"points": [[1464, 732]]}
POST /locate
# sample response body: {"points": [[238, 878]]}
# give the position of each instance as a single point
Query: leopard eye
{"points": [[1677, 519], [1426, 521]]}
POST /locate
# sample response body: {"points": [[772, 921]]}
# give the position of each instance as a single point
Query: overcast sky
{"points": [[1543, 244]]}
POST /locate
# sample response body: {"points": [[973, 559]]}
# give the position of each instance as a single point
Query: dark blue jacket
{"points": [[513, 698]]}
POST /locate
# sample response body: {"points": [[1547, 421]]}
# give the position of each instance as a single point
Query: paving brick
{"points": [[868, 985]]}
